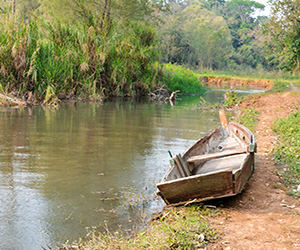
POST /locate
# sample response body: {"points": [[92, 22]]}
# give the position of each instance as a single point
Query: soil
{"points": [[217, 80], [263, 216]]}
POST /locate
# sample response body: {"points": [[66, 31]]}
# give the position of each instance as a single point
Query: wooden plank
{"points": [[243, 133], [244, 175], [216, 155], [184, 166], [233, 161], [223, 118], [197, 186], [179, 168]]}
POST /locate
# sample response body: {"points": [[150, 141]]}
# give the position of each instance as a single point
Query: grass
{"points": [[177, 228], [81, 60], [248, 118], [287, 150], [182, 79]]}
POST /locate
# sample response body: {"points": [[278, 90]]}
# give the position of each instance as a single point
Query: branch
{"points": [[3, 11]]}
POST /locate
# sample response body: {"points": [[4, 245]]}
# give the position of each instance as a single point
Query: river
{"points": [[87, 166]]}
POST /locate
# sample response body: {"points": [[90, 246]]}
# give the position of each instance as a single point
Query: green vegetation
{"points": [[248, 118], [94, 49], [214, 35], [82, 60], [177, 228], [182, 79], [207, 105], [231, 98], [287, 150], [94, 57], [284, 32]]}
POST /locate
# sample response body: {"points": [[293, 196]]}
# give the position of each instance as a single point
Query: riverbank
{"points": [[263, 216], [234, 81]]}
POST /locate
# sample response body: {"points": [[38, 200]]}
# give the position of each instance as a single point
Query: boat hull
{"points": [[219, 164]]}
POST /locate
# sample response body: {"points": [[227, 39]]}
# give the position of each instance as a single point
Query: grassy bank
{"points": [[84, 60], [177, 228], [248, 118], [287, 151]]}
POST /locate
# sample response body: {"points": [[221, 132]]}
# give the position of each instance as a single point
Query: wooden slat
{"points": [[233, 161], [223, 118], [179, 168], [199, 186], [216, 155], [183, 165], [244, 175]]}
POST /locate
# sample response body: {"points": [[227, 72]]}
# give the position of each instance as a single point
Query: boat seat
{"points": [[207, 157], [234, 162]]}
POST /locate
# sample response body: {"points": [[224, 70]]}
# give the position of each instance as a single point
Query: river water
{"points": [[84, 166]]}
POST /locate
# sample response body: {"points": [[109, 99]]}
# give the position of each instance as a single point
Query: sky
{"points": [[266, 12]]}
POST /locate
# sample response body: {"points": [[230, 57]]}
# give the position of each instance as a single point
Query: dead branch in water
{"points": [[10, 207], [9, 101]]}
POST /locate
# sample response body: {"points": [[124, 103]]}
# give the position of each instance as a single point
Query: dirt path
{"points": [[263, 216]]}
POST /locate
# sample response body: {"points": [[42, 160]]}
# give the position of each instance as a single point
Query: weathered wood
{"points": [[216, 155], [206, 144], [234, 162], [223, 118], [242, 133], [183, 165], [182, 173], [212, 175], [244, 175], [198, 186]]}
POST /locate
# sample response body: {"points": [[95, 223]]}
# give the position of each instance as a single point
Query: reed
{"points": [[74, 59]]}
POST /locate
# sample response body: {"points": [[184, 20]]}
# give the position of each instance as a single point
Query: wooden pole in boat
{"points": [[179, 168], [223, 118]]}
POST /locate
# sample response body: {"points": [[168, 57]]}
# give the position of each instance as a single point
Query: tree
{"points": [[195, 36], [244, 9], [283, 32]]}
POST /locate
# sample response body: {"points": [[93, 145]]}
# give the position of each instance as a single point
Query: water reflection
{"points": [[85, 164]]}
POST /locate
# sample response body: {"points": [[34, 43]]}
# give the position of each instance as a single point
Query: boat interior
{"points": [[222, 149]]}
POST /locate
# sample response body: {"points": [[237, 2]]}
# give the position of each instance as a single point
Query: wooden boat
{"points": [[216, 166]]}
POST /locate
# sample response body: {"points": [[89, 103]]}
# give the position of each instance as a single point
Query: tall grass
{"points": [[182, 79], [76, 59], [82, 59]]}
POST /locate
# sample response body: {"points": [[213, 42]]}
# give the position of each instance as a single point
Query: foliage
{"points": [[280, 85], [283, 33], [231, 98], [288, 147], [213, 35], [77, 59], [178, 228], [248, 118], [244, 9], [184, 80], [203, 104]]}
